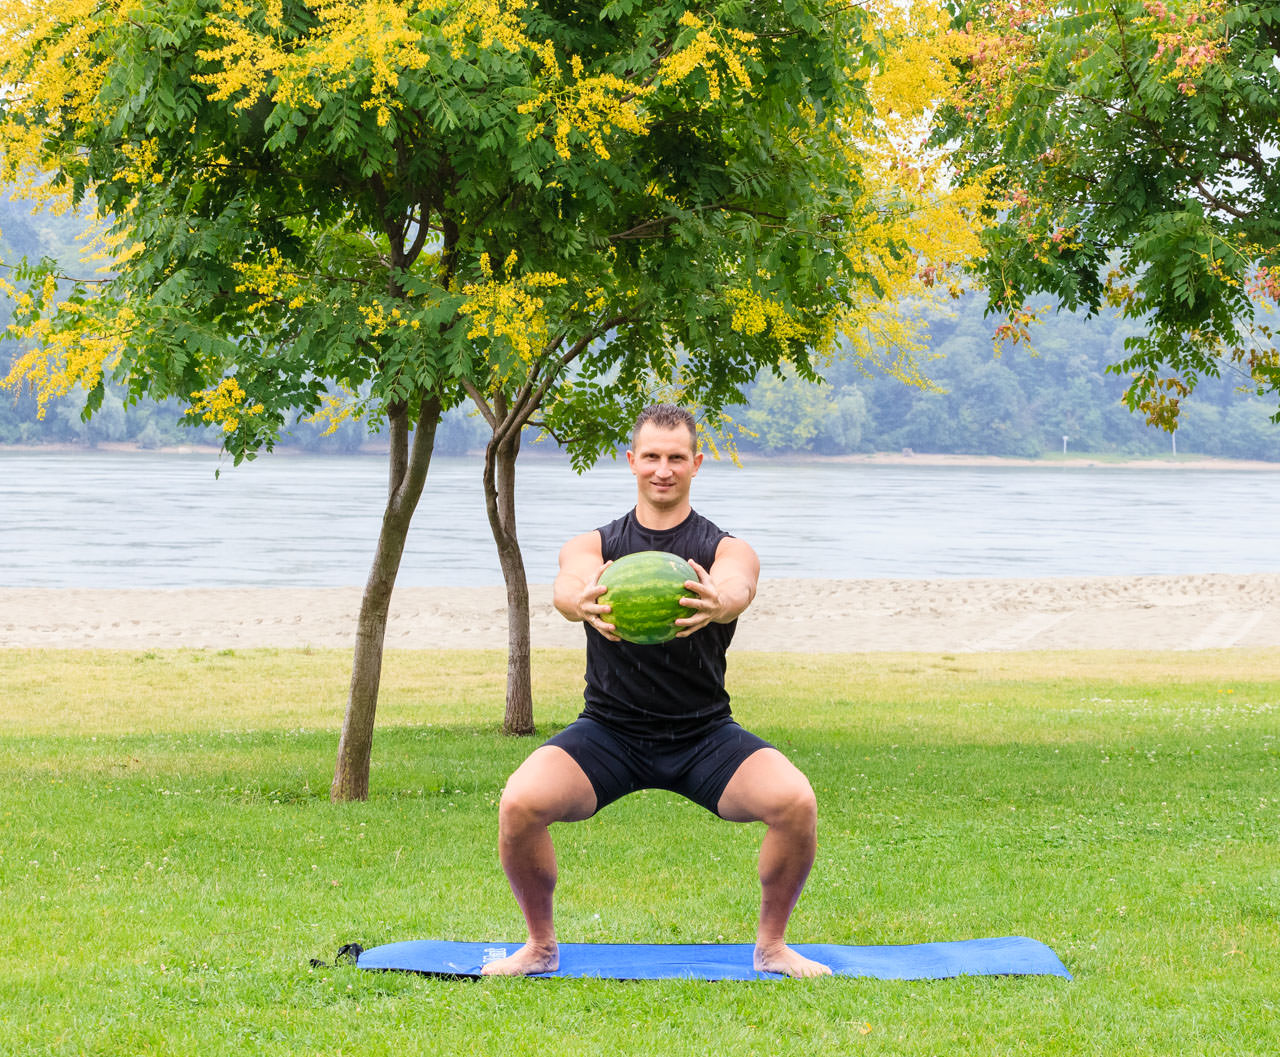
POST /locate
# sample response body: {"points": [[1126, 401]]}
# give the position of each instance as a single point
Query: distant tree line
{"points": [[1019, 402], [1016, 402]]}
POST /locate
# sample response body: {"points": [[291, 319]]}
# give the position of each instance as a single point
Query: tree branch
{"points": [[506, 421], [482, 404], [650, 228], [1218, 203], [531, 397], [420, 239]]}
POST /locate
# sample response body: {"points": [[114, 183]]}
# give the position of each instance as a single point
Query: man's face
{"points": [[664, 464]]}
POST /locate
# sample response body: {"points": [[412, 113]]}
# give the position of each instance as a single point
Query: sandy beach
{"points": [[948, 616]]}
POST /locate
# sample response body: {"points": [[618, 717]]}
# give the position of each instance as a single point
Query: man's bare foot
{"points": [[782, 959], [529, 959]]}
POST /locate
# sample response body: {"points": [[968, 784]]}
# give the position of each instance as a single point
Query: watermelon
{"points": [[644, 591]]}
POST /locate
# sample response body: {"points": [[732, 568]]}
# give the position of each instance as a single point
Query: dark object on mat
{"points": [[1005, 956]]}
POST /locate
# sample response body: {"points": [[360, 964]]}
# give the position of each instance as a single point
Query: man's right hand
{"points": [[578, 589], [593, 610]]}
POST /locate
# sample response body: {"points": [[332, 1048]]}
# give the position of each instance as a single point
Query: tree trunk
{"points": [[500, 502], [506, 418], [409, 462]]}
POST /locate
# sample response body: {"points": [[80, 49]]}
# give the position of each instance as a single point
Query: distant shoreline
{"points": [[1081, 461], [897, 459]]}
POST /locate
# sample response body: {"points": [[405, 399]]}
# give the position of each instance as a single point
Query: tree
{"points": [[1134, 146], [294, 199], [371, 208], [787, 414]]}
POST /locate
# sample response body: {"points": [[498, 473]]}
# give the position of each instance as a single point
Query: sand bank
{"points": [[1127, 612]]}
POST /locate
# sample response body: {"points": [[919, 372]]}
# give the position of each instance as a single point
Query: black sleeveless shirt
{"points": [[672, 690]]}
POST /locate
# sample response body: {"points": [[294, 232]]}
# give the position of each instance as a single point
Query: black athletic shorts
{"points": [[698, 769]]}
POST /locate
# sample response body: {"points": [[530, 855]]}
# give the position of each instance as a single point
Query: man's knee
{"points": [[789, 801], [768, 788], [519, 810], [795, 806]]}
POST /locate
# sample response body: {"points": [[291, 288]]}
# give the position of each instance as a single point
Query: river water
{"points": [[91, 519]]}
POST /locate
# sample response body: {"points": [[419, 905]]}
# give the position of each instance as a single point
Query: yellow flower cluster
{"points": [[52, 71], [711, 42], [224, 404], [917, 69], [246, 59], [911, 224], [143, 159], [78, 352], [375, 318], [377, 36], [595, 105], [379, 319], [1190, 36], [379, 32], [493, 22], [270, 280], [594, 302], [333, 412], [592, 106], [753, 314], [510, 311], [23, 301]]}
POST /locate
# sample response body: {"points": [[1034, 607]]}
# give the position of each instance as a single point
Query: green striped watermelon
{"points": [[644, 591]]}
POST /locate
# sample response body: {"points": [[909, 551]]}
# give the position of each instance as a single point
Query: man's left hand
{"points": [[704, 600]]}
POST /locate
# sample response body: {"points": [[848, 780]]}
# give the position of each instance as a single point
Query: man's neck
{"points": [[658, 519]]}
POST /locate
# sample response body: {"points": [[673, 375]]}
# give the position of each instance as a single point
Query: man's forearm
{"points": [[566, 596], [736, 594]]}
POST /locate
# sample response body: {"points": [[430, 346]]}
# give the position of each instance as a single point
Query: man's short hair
{"points": [[666, 416]]}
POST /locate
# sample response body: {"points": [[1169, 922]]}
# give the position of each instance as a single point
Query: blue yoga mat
{"points": [[1003, 956]]}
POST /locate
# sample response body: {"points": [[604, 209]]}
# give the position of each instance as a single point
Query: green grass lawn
{"points": [[171, 861]]}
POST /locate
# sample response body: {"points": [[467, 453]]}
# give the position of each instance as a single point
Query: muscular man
{"points": [[658, 716]]}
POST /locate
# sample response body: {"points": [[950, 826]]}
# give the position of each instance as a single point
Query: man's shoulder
{"points": [[705, 530]]}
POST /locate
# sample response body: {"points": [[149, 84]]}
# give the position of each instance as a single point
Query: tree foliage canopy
{"points": [[1134, 145], [349, 204]]}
